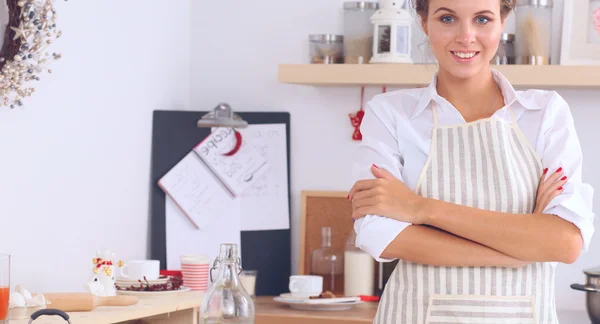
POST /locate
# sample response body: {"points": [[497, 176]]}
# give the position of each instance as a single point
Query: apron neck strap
{"points": [[513, 119]]}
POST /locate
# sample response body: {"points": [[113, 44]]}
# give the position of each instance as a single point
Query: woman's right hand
{"points": [[549, 188]]}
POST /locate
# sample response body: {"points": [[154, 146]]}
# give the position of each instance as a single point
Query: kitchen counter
{"points": [[183, 308]]}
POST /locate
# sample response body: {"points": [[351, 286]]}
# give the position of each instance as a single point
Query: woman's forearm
{"points": [[533, 237], [431, 246]]}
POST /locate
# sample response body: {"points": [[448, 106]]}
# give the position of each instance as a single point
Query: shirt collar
{"points": [[509, 93]]}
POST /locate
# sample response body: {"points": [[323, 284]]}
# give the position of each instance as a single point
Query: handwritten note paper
{"points": [[265, 205], [197, 192], [233, 159]]}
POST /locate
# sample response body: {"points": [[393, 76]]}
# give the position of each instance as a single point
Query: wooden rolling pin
{"points": [[85, 302]]}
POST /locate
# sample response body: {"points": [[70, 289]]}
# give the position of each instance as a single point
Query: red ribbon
{"points": [[356, 119]]}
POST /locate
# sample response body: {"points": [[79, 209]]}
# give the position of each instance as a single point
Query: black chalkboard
{"points": [[174, 134]]}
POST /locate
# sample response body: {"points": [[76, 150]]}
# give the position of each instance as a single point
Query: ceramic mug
{"points": [[306, 286], [138, 269]]}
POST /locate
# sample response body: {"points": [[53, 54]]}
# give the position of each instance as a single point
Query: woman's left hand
{"points": [[386, 196]]}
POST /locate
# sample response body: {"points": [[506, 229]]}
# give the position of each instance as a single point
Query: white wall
{"points": [[236, 49], [74, 162]]}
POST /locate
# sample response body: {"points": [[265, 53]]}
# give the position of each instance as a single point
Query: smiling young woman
{"points": [[475, 187]]}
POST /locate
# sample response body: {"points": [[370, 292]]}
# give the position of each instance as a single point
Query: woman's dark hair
{"points": [[422, 7]]}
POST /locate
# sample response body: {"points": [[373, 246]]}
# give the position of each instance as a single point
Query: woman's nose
{"points": [[466, 34]]}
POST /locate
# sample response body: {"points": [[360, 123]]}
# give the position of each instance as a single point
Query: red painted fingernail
{"points": [[375, 166], [545, 170], [559, 189], [563, 178], [348, 197], [559, 169]]}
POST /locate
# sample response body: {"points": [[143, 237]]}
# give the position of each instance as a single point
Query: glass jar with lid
{"points": [[227, 301], [506, 50], [326, 48], [358, 31], [328, 263], [533, 39]]}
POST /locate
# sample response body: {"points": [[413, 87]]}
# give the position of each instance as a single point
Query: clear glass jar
{"points": [[326, 49], [358, 31], [506, 50], [533, 39], [329, 264], [359, 270], [226, 301]]}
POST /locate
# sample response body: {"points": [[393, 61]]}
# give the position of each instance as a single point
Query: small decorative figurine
{"points": [[102, 281]]}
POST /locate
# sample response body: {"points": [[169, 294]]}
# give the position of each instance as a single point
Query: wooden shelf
{"points": [[410, 75]]}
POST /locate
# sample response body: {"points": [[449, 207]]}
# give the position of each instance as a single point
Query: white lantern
{"points": [[391, 33]]}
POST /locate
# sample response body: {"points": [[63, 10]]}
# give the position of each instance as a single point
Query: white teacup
{"points": [[138, 269], [306, 286]]}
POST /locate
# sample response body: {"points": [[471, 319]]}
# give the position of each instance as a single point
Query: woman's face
{"points": [[464, 34]]}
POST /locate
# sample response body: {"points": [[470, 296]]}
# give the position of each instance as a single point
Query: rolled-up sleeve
{"points": [[379, 146], [562, 149]]}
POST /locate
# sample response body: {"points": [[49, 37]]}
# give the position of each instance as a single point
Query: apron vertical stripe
{"points": [[532, 175], [479, 281], [446, 166], [538, 288], [443, 289], [408, 291], [434, 181], [512, 196], [387, 300], [528, 279], [455, 176], [442, 172], [437, 280], [519, 290], [421, 286], [465, 281], [494, 193], [479, 196], [402, 294], [509, 282], [499, 175], [456, 280], [523, 176], [544, 294], [519, 171], [469, 171], [485, 168], [500, 284], [472, 280]]}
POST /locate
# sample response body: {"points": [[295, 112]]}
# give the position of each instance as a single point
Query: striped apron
{"points": [[487, 164]]}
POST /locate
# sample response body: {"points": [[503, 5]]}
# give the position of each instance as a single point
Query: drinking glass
{"points": [[248, 280], [4, 287]]}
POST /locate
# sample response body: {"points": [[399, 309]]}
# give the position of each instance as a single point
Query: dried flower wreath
{"points": [[31, 28]]}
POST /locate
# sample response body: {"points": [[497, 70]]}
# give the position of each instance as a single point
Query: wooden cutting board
{"points": [[85, 302]]}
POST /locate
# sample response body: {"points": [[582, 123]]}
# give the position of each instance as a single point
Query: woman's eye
{"points": [[483, 20], [447, 19]]}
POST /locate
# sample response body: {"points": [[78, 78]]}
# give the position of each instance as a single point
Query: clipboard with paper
{"points": [[260, 213]]}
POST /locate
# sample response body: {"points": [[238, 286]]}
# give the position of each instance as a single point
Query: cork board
{"points": [[320, 209]]}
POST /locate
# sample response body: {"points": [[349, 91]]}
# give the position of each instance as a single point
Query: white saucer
{"points": [[324, 304], [152, 293]]}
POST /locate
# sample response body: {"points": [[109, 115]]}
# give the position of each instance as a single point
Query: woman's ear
{"points": [[424, 26]]}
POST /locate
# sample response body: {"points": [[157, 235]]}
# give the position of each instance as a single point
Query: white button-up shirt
{"points": [[397, 128]]}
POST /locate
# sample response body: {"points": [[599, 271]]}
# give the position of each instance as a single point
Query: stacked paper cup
{"points": [[195, 270]]}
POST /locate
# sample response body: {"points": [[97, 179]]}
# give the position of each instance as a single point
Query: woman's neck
{"points": [[472, 97]]}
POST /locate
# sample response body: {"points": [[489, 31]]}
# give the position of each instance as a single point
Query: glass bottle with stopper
{"points": [[226, 301], [329, 264]]}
